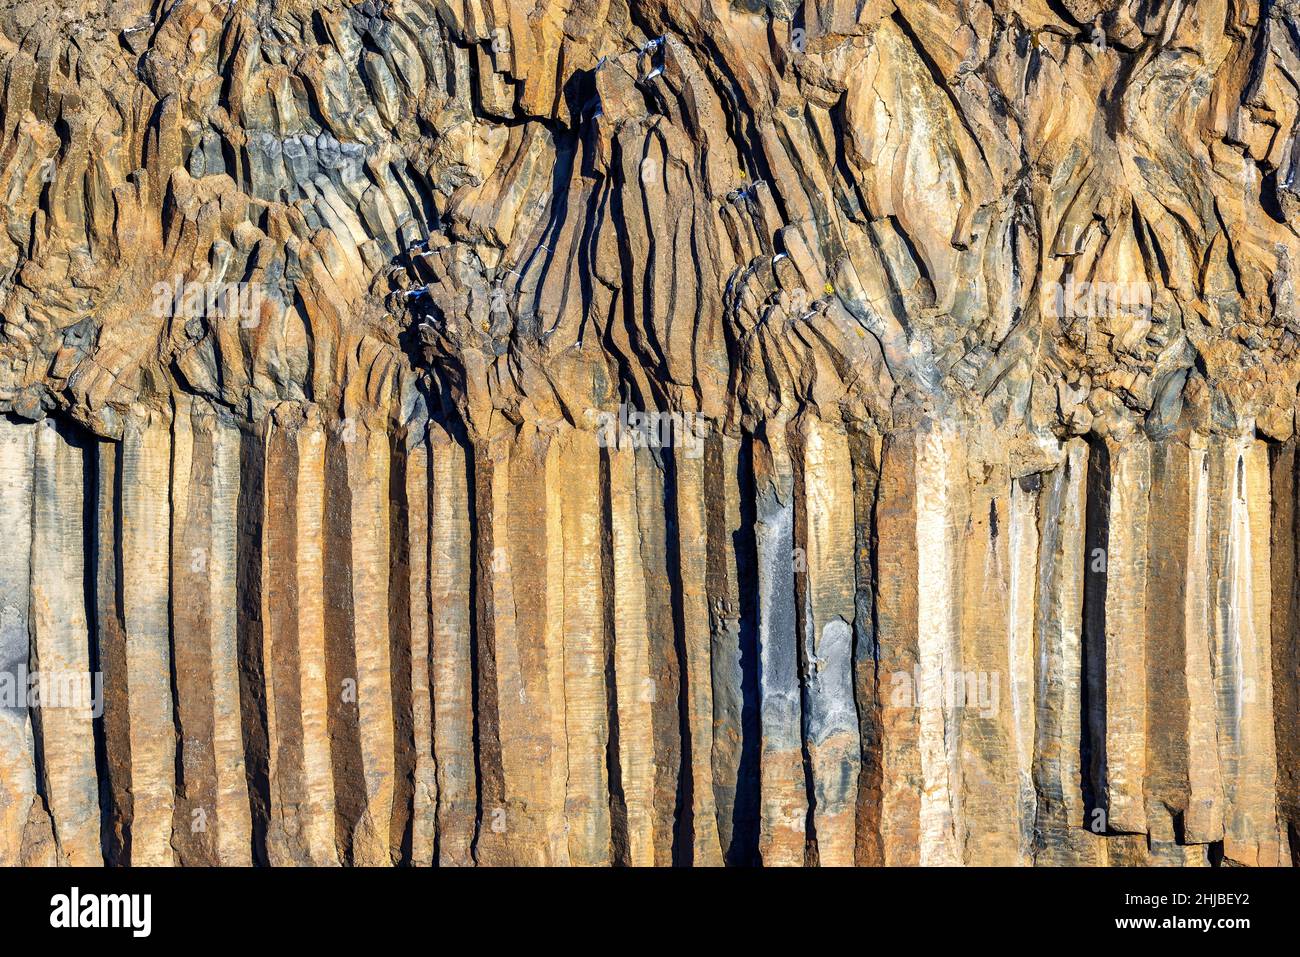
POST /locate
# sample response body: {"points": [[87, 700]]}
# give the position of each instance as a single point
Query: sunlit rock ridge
{"points": [[649, 432]]}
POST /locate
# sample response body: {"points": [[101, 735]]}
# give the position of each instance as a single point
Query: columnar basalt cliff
{"points": [[649, 432]]}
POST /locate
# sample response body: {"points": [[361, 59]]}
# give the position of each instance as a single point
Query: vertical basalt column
{"points": [[825, 487], [110, 638], [212, 821], [1125, 702], [922, 486], [869, 685], [1203, 820], [288, 831], [990, 826], [536, 665], [784, 801], [315, 692], [144, 539], [450, 639], [898, 655], [1020, 691], [574, 488], [1285, 621], [635, 687], [194, 827], [366, 451], [251, 627], [408, 625], [298, 697], [526, 565], [414, 492], [60, 658], [492, 597], [1240, 655], [17, 769], [697, 678], [657, 538], [234, 823], [730, 586], [941, 497], [722, 598], [1058, 767], [343, 717], [1176, 652]]}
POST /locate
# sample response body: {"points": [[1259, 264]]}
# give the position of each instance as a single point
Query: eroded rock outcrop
{"points": [[651, 432]]}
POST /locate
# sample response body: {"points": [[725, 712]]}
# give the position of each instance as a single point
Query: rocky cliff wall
{"points": [[649, 432]]}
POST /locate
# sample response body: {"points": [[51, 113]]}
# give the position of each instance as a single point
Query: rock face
{"points": [[649, 432]]}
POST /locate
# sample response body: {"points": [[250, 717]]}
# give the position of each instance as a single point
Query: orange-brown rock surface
{"points": [[649, 432]]}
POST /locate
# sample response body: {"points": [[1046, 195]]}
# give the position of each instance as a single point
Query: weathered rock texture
{"points": [[963, 527]]}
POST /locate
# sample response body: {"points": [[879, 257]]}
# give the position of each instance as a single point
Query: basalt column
{"points": [[649, 433], [17, 772]]}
